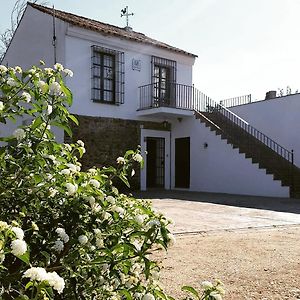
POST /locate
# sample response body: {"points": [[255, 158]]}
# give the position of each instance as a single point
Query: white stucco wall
{"points": [[277, 118], [78, 58], [219, 168], [33, 40]]}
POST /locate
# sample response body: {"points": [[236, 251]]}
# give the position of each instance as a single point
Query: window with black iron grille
{"points": [[107, 75], [163, 80]]}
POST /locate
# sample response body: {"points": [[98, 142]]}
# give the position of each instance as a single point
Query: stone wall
{"points": [[108, 138]]}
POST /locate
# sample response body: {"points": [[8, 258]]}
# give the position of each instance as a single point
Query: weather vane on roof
{"points": [[125, 13]]}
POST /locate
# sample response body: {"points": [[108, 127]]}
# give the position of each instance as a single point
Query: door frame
{"points": [[160, 134]]}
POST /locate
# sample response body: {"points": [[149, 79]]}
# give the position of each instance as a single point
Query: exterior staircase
{"points": [[264, 151]]}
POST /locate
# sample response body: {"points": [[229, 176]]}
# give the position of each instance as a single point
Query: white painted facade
{"points": [[278, 118], [217, 168]]}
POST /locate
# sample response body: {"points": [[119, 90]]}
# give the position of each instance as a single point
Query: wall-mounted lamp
{"points": [[165, 124], [205, 145]]}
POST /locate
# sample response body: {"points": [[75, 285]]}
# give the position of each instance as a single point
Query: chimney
{"points": [[270, 95]]}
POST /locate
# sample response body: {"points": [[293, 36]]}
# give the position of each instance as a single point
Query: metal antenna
{"points": [[125, 13], [54, 37]]}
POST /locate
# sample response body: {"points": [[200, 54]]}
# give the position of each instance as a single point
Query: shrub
{"points": [[64, 233]]}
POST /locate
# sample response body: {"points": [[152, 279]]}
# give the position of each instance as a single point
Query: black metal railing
{"points": [[235, 101], [173, 95], [218, 109]]}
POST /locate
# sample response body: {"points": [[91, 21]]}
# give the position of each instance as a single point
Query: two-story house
{"points": [[131, 90]]}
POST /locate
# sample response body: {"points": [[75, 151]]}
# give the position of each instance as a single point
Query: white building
{"points": [[131, 90]]}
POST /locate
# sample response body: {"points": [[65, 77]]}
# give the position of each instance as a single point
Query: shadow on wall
{"points": [[266, 203]]}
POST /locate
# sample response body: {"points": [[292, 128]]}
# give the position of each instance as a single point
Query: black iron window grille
{"points": [[163, 79], [107, 75]]}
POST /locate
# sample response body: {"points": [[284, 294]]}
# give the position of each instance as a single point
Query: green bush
{"points": [[64, 233]]}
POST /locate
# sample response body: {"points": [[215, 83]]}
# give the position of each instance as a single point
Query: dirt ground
{"points": [[252, 263]]}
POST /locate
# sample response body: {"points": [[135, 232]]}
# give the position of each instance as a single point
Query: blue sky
{"points": [[243, 46]]}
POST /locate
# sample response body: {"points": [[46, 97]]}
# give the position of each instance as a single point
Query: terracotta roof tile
{"points": [[107, 28]]}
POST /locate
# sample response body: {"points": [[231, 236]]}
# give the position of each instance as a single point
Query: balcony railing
{"points": [[172, 95], [241, 100]]}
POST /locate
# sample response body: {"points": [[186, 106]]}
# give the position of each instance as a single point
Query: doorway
{"points": [[182, 162], [155, 162]]}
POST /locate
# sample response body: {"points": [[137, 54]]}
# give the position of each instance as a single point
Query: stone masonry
{"points": [[107, 138]]}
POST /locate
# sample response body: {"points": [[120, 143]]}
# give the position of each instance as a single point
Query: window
{"points": [[107, 75], [163, 80]]}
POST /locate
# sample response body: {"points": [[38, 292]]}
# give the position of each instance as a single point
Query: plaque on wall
{"points": [[136, 64]]}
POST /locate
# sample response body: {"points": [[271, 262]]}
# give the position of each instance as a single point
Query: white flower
{"points": [[56, 281], [40, 274], [26, 96], [153, 223], [58, 67], [18, 69], [82, 239], [121, 160], [207, 285], [140, 218], [3, 69], [148, 296], [19, 247], [42, 85], [95, 183], [55, 89], [72, 167], [118, 210], [52, 192], [68, 72], [3, 225], [1, 105], [58, 246], [80, 143], [48, 71], [49, 109], [62, 234], [172, 239], [72, 189], [92, 171], [11, 82], [65, 172], [19, 134], [215, 295], [18, 232], [137, 157], [99, 243], [111, 200], [34, 273], [34, 226]]}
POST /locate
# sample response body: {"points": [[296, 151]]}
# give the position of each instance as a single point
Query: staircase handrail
{"points": [[212, 106]]}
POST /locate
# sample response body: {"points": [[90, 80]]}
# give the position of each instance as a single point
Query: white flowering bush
{"points": [[65, 233]]}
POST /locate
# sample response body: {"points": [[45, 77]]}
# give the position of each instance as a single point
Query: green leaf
{"points": [[37, 122], [25, 258], [124, 179], [160, 295], [47, 256], [190, 290], [28, 285], [67, 92], [74, 119], [126, 294]]}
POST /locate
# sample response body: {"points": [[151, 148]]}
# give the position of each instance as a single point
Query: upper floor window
{"points": [[163, 80], [107, 75]]}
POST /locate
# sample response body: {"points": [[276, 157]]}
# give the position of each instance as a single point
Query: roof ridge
{"points": [[35, 5], [106, 28]]}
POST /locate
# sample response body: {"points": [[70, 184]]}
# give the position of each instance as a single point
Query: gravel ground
{"points": [[252, 264]]}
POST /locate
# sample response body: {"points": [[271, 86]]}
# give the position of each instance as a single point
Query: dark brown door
{"points": [[155, 162], [182, 162], [162, 85]]}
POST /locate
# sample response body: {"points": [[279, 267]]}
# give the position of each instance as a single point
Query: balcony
{"points": [[166, 100]]}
